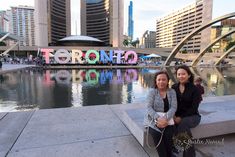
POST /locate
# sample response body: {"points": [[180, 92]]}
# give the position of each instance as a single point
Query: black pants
{"points": [[183, 128], [165, 147]]}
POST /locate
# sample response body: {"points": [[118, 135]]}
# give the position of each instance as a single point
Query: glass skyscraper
{"points": [[130, 20]]}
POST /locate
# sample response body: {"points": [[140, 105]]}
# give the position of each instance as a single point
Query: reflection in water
{"points": [[37, 88]]}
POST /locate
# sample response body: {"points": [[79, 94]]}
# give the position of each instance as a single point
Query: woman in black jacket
{"points": [[187, 115]]}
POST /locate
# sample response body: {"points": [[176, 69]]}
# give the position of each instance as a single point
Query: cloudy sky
{"points": [[145, 11]]}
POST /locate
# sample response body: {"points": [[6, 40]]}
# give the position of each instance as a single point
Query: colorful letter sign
{"points": [[63, 56]]}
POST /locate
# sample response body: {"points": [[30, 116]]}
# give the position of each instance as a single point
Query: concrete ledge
{"points": [[217, 119], [2, 114]]}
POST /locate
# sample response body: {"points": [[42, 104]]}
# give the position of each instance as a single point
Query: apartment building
{"points": [[22, 24], [171, 29]]}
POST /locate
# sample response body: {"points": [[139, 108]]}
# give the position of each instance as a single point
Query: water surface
{"points": [[42, 89]]}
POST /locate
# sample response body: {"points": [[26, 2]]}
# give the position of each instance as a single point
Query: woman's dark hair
{"points": [[159, 73], [186, 68]]}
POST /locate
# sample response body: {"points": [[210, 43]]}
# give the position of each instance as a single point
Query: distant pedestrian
{"points": [[198, 84], [0, 64]]}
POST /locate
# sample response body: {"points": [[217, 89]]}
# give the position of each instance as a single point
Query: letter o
{"points": [[134, 59], [96, 54], [62, 53], [63, 77]]}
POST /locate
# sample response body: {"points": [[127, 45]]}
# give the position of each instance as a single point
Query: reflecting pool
{"points": [[37, 88]]}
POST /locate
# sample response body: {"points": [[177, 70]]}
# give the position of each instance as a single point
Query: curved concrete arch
{"points": [[9, 49], [171, 74], [197, 30], [224, 55], [199, 56], [6, 35]]}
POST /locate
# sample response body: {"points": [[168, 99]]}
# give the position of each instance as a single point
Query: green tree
{"points": [[135, 42], [210, 50], [229, 45], [125, 42], [2, 43], [184, 51]]}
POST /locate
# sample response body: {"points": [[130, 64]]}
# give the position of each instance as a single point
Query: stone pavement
{"points": [[87, 131], [94, 131]]}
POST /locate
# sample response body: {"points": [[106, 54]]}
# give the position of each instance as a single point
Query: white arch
{"points": [[197, 30], [199, 56], [224, 55], [5, 36]]}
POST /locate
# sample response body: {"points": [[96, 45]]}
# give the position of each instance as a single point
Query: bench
{"points": [[218, 118]]}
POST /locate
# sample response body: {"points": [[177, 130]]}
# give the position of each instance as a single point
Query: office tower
{"points": [[171, 29], [130, 20], [22, 23], [103, 19], [148, 40], [53, 21]]}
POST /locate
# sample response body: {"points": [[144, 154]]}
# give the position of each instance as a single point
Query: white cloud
{"points": [[6, 4]]}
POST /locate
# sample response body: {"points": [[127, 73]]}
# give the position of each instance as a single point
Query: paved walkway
{"points": [[93, 131]]}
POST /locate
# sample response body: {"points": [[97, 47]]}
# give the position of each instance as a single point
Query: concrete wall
{"points": [[41, 24], [206, 17]]}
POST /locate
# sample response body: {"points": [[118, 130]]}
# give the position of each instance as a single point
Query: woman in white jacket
{"points": [[161, 107]]}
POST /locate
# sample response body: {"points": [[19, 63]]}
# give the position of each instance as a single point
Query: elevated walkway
{"points": [[218, 118]]}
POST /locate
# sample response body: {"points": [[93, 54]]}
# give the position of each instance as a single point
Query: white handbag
{"points": [[163, 114]]}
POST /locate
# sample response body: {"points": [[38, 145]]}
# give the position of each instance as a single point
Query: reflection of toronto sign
{"points": [[92, 76], [63, 56]]}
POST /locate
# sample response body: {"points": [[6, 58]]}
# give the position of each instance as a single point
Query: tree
{"points": [[229, 45], [135, 43], [125, 42], [184, 51], [210, 50], [2, 43]]}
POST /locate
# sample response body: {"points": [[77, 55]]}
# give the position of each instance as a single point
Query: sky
{"points": [[145, 13]]}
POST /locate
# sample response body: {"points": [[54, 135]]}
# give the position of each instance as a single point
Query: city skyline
{"points": [[144, 13]]}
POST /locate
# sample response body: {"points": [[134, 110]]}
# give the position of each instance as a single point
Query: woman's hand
{"points": [[177, 119], [161, 122]]}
